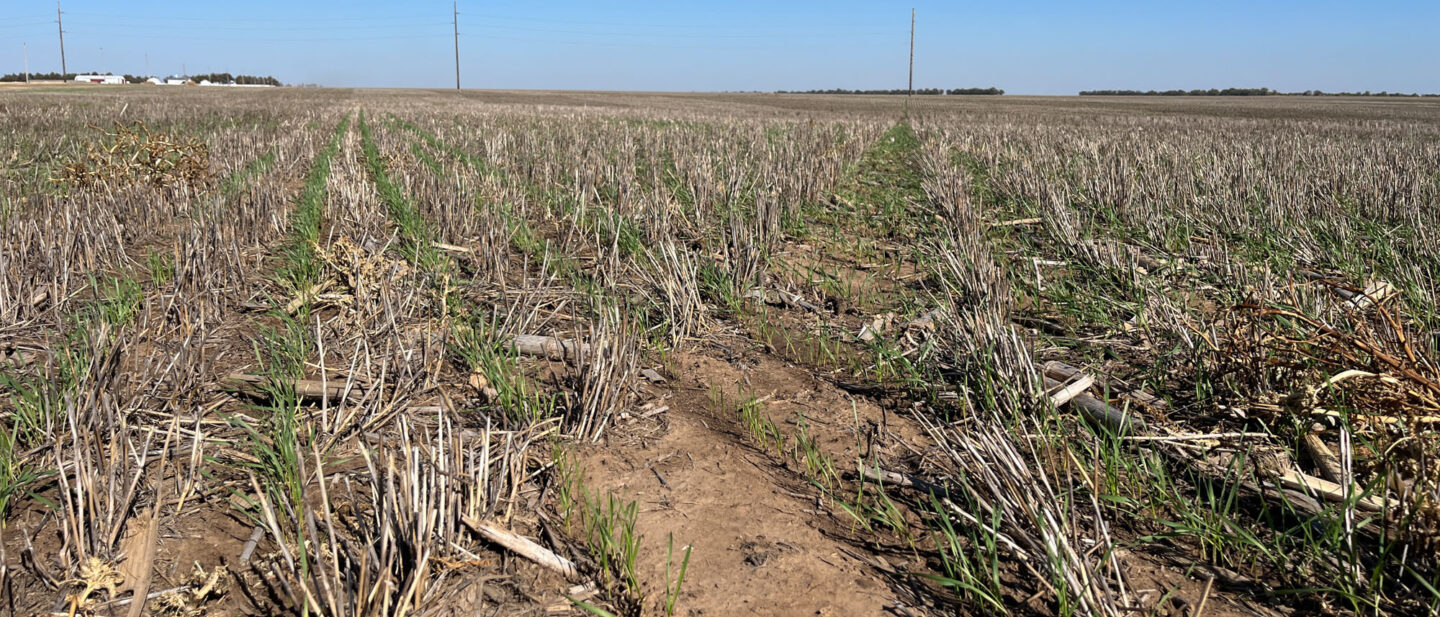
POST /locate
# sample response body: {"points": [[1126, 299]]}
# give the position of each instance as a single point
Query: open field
{"points": [[519, 353]]}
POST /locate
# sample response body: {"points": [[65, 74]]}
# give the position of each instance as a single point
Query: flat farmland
{"points": [[383, 352]]}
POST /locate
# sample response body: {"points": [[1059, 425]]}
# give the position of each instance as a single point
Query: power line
{"points": [[250, 39], [382, 21], [635, 45], [110, 26], [231, 20], [793, 35], [131, 21], [829, 29], [255, 28]]}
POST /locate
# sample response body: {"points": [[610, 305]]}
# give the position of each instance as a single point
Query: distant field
{"points": [[505, 352]]}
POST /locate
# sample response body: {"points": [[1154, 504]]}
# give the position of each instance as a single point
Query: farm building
{"points": [[100, 79]]}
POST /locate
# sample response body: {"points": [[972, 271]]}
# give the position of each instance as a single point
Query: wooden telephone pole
{"points": [[912, 54], [455, 6], [61, 27]]}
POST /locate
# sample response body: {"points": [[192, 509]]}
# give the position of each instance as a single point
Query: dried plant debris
{"points": [[131, 154], [196, 595], [95, 575], [1344, 369]]}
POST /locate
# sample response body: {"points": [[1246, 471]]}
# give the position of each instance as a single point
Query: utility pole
{"points": [[27, 63], [455, 6], [912, 54], [147, 66], [102, 59], [61, 27]]}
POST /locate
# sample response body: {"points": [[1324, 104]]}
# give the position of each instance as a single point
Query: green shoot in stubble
{"points": [[610, 534], [474, 162], [872, 508], [590, 608], [760, 427], [237, 181], [475, 345], [672, 590], [300, 267], [815, 464], [161, 267], [277, 444], [607, 527], [16, 477], [117, 299], [37, 403], [425, 158], [567, 481], [417, 237], [969, 567], [717, 285]]}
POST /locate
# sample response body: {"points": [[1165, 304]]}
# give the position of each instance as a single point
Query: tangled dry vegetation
{"points": [[326, 352], [133, 154]]}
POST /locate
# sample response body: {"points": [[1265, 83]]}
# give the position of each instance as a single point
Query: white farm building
{"points": [[100, 79]]}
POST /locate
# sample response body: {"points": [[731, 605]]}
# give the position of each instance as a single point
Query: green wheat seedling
{"points": [[117, 299], [816, 465], [36, 401], [613, 541], [237, 181], [718, 286], [301, 266], [161, 267], [969, 559], [590, 608], [16, 476], [607, 529], [417, 238], [672, 590], [474, 162], [871, 508], [425, 158], [760, 427], [473, 343], [566, 479]]}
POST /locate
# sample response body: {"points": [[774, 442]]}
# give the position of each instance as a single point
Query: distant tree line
{"points": [[1365, 93], [924, 91], [1210, 92], [219, 78], [244, 80], [39, 76], [1240, 92], [59, 77]]}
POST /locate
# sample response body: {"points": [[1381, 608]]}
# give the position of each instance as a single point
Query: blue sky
{"points": [[1036, 47]]}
